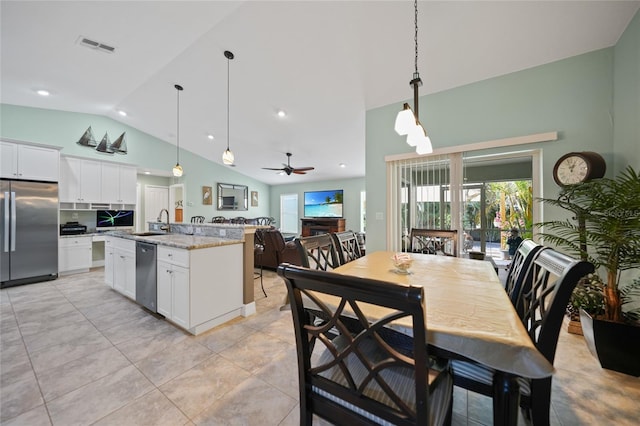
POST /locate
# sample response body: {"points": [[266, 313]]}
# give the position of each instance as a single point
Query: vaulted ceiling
{"points": [[323, 62]]}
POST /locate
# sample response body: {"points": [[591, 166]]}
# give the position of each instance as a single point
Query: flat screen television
{"points": [[323, 203], [113, 218]]}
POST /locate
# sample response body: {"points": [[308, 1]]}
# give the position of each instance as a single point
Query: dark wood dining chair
{"points": [[264, 220], [317, 252], [553, 276], [348, 373], [517, 273], [218, 219], [197, 219], [347, 246], [434, 241]]}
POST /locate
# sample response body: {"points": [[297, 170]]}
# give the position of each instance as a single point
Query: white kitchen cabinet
{"points": [[29, 162], [173, 285], [108, 261], [80, 180], [118, 183], [74, 254], [124, 267]]}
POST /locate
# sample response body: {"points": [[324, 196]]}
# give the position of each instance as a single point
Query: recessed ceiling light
{"points": [[211, 137], [282, 114], [343, 165], [43, 92], [122, 113]]}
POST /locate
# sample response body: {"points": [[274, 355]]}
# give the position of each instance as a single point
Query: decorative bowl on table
{"points": [[402, 263]]}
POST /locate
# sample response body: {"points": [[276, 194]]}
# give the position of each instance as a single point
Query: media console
{"points": [[321, 226]]}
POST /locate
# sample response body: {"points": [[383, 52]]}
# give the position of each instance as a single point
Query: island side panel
{"points": [[216, 277], [249, 246]]}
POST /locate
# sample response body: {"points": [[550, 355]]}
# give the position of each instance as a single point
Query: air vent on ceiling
{"points": [[83, 41]]}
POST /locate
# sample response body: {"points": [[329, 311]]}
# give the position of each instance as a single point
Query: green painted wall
{"points": [[626, 98], [63, 129], [573, 96], [351, 209]]}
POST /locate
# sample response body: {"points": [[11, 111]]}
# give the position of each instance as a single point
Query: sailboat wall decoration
{"points": [[105, 146], [87, 139]]}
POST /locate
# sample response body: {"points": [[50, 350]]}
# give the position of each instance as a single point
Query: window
{"points": [[289, 213]]}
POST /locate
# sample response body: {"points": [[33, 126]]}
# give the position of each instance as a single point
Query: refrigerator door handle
{"points": [[13, 221], [5, 246]]}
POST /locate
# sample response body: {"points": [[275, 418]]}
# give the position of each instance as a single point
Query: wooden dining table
{"points": [[468, 315]]}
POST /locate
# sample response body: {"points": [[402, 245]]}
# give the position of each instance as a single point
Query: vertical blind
{"points": [[423, 193]]}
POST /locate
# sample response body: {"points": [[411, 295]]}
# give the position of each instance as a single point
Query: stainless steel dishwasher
{"points": [[146, 275]]}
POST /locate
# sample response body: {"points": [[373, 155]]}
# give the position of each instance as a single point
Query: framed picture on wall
{"points": [[254, 198], [206, 195]]}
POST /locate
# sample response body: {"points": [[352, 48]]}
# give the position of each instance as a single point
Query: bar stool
{"points": [[258, 251]]}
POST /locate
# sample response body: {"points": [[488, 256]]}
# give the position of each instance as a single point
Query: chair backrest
{"points": [[553, 278], [197, 219], [518, 271], [318, 252], [347, 246], [218, 219], [433, 241], [263, 220], [351, 377], [273, 240], [238, 220]]}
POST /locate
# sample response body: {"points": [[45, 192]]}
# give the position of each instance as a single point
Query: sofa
{"points": [[276, 249]]}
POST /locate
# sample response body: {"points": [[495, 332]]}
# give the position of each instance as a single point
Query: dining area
{"points": [[490, 335]]}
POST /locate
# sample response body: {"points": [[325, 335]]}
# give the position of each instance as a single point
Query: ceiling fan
{"points": [[288, 169]]}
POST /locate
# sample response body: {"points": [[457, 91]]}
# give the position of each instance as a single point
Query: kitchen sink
{"points": [[148, 234]]}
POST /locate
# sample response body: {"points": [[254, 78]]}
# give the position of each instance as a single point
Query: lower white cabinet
{"points": [[108, 261], [173, 287], [120, 265], [74, 254]]}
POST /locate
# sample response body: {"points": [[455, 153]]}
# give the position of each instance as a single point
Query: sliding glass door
{"points": [[482, 196]]}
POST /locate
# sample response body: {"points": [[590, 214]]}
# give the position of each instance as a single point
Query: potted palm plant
{"points": [[604, 229]]}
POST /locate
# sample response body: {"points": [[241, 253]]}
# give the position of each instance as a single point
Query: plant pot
{"points": [[616, 345], [574, 327]]}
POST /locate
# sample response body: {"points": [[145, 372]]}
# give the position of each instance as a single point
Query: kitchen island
{"points": [[199, 278]]}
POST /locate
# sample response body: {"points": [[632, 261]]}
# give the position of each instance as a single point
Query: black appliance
{"points": [[72, 228]]}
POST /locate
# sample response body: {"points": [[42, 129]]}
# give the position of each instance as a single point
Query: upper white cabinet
{"points": [[29, 162], [86, 183], [118, 183], [80, 180]]}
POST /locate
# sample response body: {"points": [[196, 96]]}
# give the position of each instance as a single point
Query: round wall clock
{"points": [[578, 167]]}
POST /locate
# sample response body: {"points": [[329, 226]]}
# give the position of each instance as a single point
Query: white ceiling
{"points": [[324, 62]]}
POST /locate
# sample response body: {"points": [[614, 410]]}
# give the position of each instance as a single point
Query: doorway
{"points": [[156, 198]]}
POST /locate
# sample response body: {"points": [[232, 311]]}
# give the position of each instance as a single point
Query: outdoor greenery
{"points": [[604, 228]]}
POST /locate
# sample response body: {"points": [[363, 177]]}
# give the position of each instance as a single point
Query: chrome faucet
{"points": [[166, 226]]}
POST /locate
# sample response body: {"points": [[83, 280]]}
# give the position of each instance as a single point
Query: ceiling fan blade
{"points": [[269, 168], [304, 169], [299, 172]]}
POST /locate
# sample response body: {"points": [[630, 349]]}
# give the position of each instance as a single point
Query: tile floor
{"points": [[74, 352]]}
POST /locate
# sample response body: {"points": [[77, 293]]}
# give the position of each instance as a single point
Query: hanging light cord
{"points": [[415, 37], [228, 59], [178, 128]]}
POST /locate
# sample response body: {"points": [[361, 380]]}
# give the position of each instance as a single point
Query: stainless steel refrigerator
{"points": [[29, 228]]}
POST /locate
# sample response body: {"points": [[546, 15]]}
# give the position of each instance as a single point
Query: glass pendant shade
{"points": [[177, 170], [424, 146], [227, 157], [416, 135], [405, 121]]}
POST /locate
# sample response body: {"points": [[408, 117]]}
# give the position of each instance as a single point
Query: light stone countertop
{"points": [[182, 241]]}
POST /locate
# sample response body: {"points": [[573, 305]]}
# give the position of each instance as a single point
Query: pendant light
{"points": [[227, 155], [177, 169], [407, 121]]}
